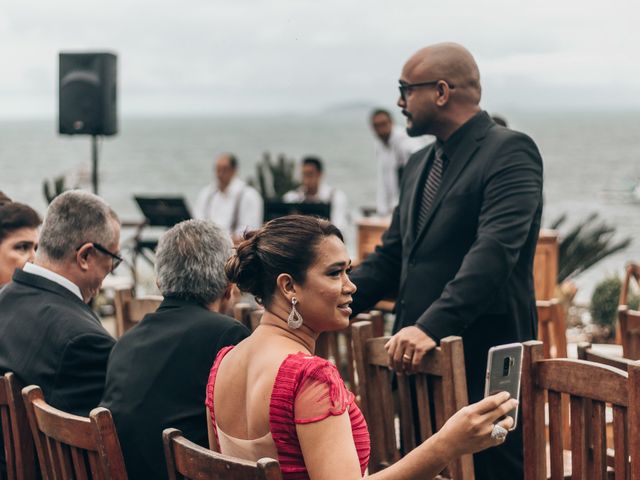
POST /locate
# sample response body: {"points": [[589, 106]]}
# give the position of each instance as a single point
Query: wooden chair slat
{"points": [[620, 446], [598, 441], [424, 409], [79, 464], [555, 435], [580, 378], [64, 460], [552, 328], [405, 412], [185, 459], [578, 441]]}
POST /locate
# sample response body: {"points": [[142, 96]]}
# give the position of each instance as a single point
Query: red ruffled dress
{"points": [[307, 389]]}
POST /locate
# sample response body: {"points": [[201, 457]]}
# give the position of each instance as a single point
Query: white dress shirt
{"points": [[239, 204], [326, 194], [389, 158], [34, 269]]}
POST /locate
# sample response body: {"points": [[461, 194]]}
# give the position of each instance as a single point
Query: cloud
{"points": [[216, 57]]}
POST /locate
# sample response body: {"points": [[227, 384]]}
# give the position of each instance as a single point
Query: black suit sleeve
{"points": [[512, 195], [379, 275], [79, 382], [232, 336]]}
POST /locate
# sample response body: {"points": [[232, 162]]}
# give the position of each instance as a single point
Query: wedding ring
{"points": [[499, 432], [406, 357]]}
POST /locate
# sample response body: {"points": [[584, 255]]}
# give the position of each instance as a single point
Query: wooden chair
{"points": [[242, 313], [130, 310], [632, 272], [70, 446], [588, 353], [338, 346], [629, 328], [592, 387], [545, 265], [552, 330], [442, 371], [186, 460], [18, 444]]}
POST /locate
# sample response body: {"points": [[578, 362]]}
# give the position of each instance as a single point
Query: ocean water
{"points": [[592, 162]]}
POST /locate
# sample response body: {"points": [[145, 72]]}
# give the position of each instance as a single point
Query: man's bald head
{"points": [[450, 62]]}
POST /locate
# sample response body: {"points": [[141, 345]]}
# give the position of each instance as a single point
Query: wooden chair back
{"points": [[338, 346], [442, 374], [632, 271], [586, 352], [73, 447], [552, 329], [242, 313], [545, 265], [591, 388], [186, 460], [18, 446], [130, 310], [629, 327]]}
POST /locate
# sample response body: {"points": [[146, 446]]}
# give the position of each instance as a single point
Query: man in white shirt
{"points": [[314, 190], [230, 203], [392, 149], [49, 336]]}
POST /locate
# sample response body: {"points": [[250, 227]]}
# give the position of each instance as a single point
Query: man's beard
{"points": [[416, 129]]}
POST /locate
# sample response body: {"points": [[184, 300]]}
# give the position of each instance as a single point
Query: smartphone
{"points": [[504, 366]]}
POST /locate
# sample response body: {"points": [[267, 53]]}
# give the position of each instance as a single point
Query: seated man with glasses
{"points": [[49, 336]]}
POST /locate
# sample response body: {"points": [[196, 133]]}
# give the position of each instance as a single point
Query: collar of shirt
{"points": [[454, 141], [54, 277], [234, 187]]}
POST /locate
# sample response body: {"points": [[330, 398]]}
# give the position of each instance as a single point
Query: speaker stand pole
{"points": [[94, 162]]}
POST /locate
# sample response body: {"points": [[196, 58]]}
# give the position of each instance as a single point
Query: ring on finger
{"points": [[407, 357], [499, 432]]}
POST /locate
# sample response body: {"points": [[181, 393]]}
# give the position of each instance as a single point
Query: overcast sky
{"points": [[215, 57]]}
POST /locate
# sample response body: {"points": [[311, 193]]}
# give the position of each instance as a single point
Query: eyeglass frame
{"points": [[406, 87], [116, 259]]}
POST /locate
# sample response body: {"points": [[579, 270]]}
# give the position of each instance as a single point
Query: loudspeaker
{"points": [[87, 94]]}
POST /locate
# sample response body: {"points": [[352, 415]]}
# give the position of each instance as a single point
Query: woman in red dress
{"points": [[269, 396]]}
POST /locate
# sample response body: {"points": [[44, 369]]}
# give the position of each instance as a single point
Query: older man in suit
{"points": [[459, 250], [158, 371]]}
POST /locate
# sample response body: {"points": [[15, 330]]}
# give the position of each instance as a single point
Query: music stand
{"points": [[276, 209], [163, 211], [158, 212]]}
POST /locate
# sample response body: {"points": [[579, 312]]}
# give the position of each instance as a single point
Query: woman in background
{"points": [[18, 236], [271, 397]]}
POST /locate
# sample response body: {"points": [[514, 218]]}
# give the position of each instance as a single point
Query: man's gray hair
{"points": [[190, 261], [73, 219]]}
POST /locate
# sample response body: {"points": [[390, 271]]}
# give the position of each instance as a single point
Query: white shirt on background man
{"points": [[326, 194], [389, 158], [238, 208]]}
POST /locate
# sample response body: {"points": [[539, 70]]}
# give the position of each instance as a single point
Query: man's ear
{"points": [[82, 256], [443, 93], [286, 285]]}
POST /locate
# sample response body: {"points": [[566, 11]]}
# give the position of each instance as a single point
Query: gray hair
{"points": [[74, 218], [190, 261]]}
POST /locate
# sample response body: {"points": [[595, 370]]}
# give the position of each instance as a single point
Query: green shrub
{"points": [[604, 302]]}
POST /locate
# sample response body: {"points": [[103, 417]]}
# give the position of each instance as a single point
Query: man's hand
{"points": [[407, 347]]}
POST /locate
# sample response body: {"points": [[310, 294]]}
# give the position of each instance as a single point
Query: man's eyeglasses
{"points": [[405, 88], [116, 259]]}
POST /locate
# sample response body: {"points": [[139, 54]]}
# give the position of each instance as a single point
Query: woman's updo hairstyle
{"points": [[283, 245]]}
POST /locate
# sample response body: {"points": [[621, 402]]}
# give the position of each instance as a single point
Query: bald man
{"points": [[459, 251]]}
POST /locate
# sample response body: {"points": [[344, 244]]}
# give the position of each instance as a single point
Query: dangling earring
{"points": [[295, 319]]}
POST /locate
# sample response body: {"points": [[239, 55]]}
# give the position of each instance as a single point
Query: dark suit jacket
{"points": [[157, 376], [469, 271], [51, 338]]}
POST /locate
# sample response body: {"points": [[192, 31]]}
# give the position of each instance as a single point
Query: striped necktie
{"points": [[431, 186]]}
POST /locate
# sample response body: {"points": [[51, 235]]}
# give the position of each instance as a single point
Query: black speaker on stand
{"points": [[87, 98]]}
